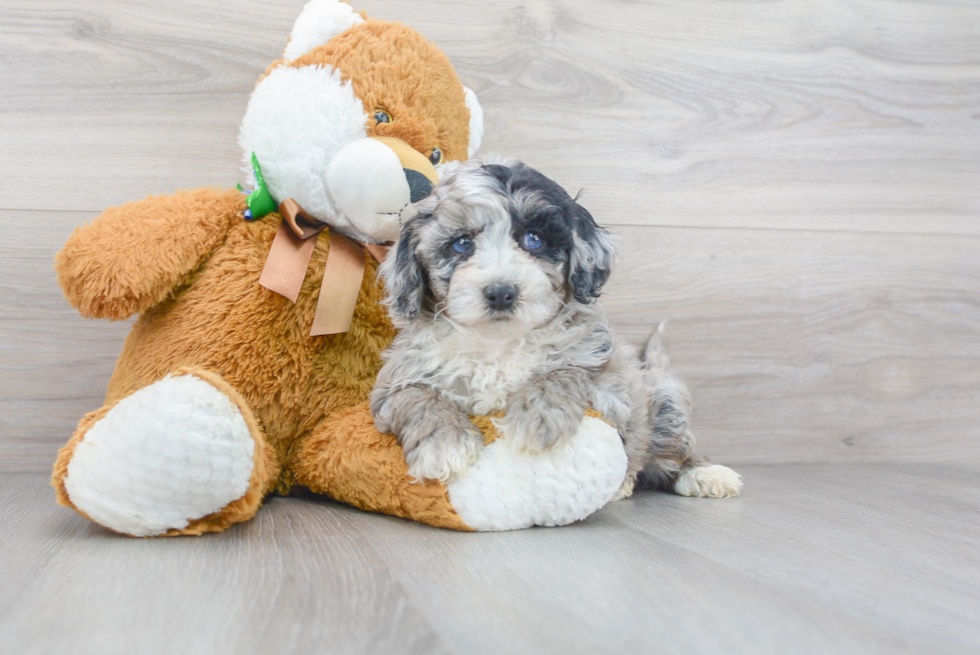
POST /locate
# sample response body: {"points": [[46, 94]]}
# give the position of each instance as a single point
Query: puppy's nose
{"points": [[500, 296], [418, 184]]}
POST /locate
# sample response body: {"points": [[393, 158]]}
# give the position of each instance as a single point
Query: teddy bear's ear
{"points": [[320, 21], [476, 121]]}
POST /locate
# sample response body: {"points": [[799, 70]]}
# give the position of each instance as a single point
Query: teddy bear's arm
{"points": [[132, 256]]}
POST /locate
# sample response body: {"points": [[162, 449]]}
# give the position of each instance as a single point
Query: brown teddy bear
{"points": [[260, 332]]}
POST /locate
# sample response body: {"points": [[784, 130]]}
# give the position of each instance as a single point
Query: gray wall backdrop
{"points": [[796, 185]]}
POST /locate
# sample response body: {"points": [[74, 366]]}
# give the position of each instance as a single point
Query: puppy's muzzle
{"points": [[501, 296]]}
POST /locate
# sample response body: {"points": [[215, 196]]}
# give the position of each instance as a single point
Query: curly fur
{"points": [[189, 264], [542, 361]]}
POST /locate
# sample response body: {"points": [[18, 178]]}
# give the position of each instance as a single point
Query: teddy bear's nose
{"points": [[418, 184]]}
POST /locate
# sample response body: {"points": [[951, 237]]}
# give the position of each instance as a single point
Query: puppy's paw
{"points": [[626, 490], [709, 482], [538, 427], [446, 450]]}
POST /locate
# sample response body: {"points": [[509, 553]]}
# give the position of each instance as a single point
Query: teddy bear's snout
{"points": [[419, 185], [372, 179]]}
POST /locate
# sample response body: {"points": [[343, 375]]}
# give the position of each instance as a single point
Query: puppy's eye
{"points": [[435, 157], [381, 116], [462, 245], [533, 240]]}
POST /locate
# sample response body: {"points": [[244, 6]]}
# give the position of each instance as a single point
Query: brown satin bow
{"points": [[289, 257]]}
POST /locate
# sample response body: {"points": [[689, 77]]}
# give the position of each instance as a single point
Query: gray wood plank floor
{"points": [[812, 559]]}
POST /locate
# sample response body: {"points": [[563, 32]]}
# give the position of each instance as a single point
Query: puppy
{"points": [[492, 284]]}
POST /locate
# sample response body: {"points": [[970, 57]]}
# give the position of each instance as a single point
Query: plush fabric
{"points": [[391, 68], [175, 449], [296, 122], [506, 489], [318, 23], [220, 396], [264, 471]]}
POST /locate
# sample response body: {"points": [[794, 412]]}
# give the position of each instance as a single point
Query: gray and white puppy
{"points": [[492, 285]]}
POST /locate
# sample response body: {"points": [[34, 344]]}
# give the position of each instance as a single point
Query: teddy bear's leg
{"points": [[346, 458], [184, 455]]}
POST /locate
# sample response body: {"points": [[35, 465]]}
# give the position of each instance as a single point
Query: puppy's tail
{"points": [[654, 356], [671, 448]]}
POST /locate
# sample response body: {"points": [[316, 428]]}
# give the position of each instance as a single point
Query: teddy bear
{"points": [[261, 323]]}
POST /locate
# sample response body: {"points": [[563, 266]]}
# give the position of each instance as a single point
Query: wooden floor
{"points": [[812, 559], [796, 185]]}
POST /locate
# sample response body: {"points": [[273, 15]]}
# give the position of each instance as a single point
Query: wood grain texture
{"points": [[813, 346], [854, 114], [847, 547], [799, 346], [796, 186], [811, 559]]}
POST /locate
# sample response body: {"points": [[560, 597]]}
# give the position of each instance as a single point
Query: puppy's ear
{"points": [[501, 173], [592, 255], [403, 274]]}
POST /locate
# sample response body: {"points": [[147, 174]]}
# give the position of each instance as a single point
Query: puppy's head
{"points": [[499, 248]]}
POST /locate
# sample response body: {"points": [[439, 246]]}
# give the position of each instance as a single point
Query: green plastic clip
{"points": [[260, 201]]}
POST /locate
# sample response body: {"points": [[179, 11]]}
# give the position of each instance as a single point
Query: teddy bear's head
{"points": [[356, 120]]}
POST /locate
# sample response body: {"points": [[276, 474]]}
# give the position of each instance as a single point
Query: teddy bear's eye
{"points": [[435, 157], [381, 116]]}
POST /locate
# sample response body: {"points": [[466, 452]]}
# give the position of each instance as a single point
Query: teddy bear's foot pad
{"points": [[172, 452], [508, 489]]}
